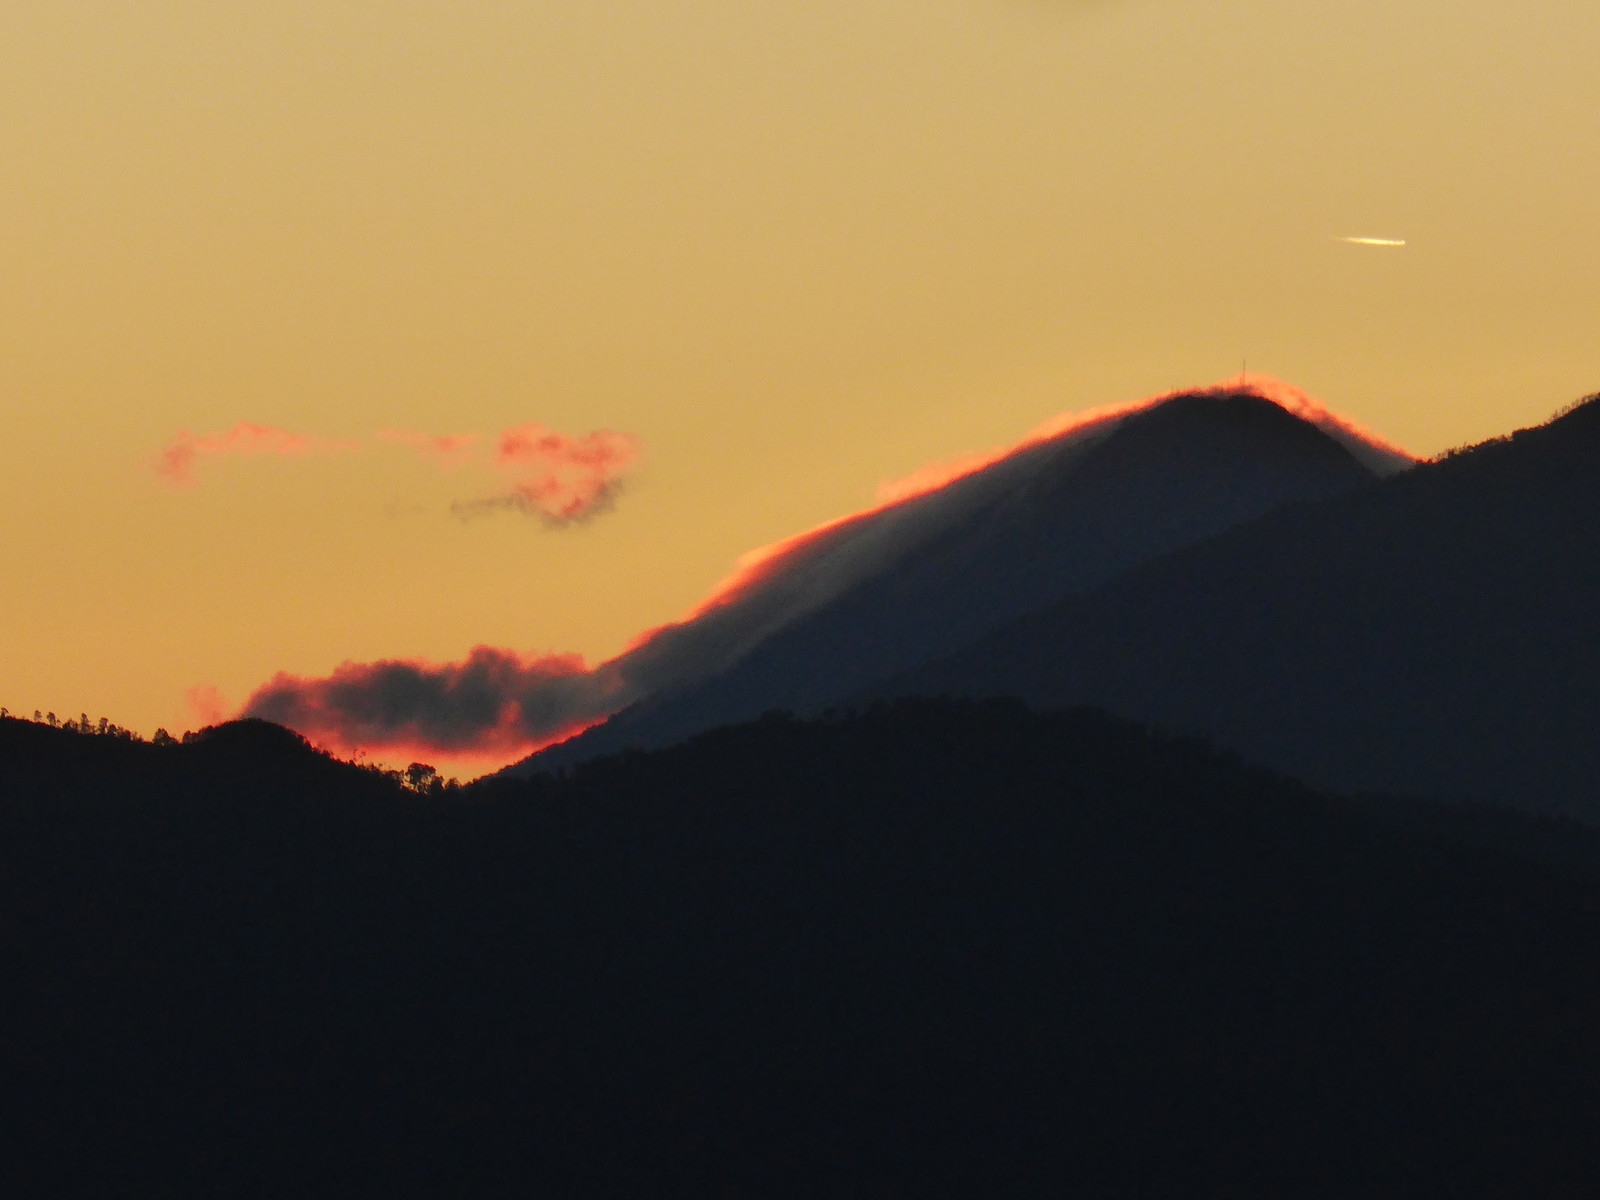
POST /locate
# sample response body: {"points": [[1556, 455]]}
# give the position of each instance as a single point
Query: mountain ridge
{"points": [[1051, 519], [1438, 633]]}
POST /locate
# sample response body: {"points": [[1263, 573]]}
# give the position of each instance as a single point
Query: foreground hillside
{"points": [[935, 949]]}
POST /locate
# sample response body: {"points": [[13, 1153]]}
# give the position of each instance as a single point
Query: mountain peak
{"points": [[1268, 404], [1074, 504], [1237, 421]]}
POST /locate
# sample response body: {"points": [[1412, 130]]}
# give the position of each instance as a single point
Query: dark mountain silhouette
{"points": [[928, 577], [1438, 633], [937, 949]]}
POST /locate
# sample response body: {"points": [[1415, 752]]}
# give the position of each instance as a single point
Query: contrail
{"points": [[1371, 241]]}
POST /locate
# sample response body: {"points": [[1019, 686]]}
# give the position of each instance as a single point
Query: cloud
{"points": [[558, 478], [177, 458], [206, 704], [496, 701], [561, 516], [449, 449]]}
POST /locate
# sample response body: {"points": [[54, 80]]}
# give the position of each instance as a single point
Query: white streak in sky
{"points": [[1371, 241]]}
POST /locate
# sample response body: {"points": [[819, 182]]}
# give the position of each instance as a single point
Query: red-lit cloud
{"points": [[559, 478], [177, 459], [496, 702]]}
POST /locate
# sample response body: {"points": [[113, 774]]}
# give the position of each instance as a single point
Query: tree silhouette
{"points": [[420, 777]]}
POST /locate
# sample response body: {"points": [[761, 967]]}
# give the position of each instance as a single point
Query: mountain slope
{"points": [[1439, 633], [929, 576]]}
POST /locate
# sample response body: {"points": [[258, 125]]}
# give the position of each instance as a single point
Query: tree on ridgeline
{"points": [[103, 727], [422, 778]]}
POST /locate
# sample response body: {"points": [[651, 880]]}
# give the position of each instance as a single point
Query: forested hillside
{"points": [[932, 949]]}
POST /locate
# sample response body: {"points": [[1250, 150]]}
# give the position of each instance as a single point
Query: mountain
{"points": [[910, 582], [936, 949], [1436, 634]]}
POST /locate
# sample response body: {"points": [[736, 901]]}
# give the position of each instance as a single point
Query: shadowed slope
{"points": [[1439, 633], [1049, 521]]}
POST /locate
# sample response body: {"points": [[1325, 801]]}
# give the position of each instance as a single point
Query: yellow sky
{"points": [[794, 248]]}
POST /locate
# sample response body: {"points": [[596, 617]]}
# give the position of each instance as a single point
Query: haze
{"points": [[778, 252]]}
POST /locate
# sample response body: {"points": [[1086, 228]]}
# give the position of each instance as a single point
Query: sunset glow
{"points": [[733, 597], [364, 332], [498, 705]]}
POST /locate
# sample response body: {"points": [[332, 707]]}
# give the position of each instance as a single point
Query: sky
{"points": [[347, 332]]}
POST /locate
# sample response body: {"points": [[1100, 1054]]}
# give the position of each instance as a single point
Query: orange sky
{"points": [[787, 252]]}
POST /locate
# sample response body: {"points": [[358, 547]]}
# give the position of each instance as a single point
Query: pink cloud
{"points": [[177, 459], [448, 449], [560, 478], [206, 704]]}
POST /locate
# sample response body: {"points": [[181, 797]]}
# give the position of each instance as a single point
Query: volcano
{"points": [[880, 594]]}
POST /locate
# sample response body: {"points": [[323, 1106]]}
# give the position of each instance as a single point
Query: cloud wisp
{"points": [[562, 480], [206, 703], [448, 450], [176, 461]]}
